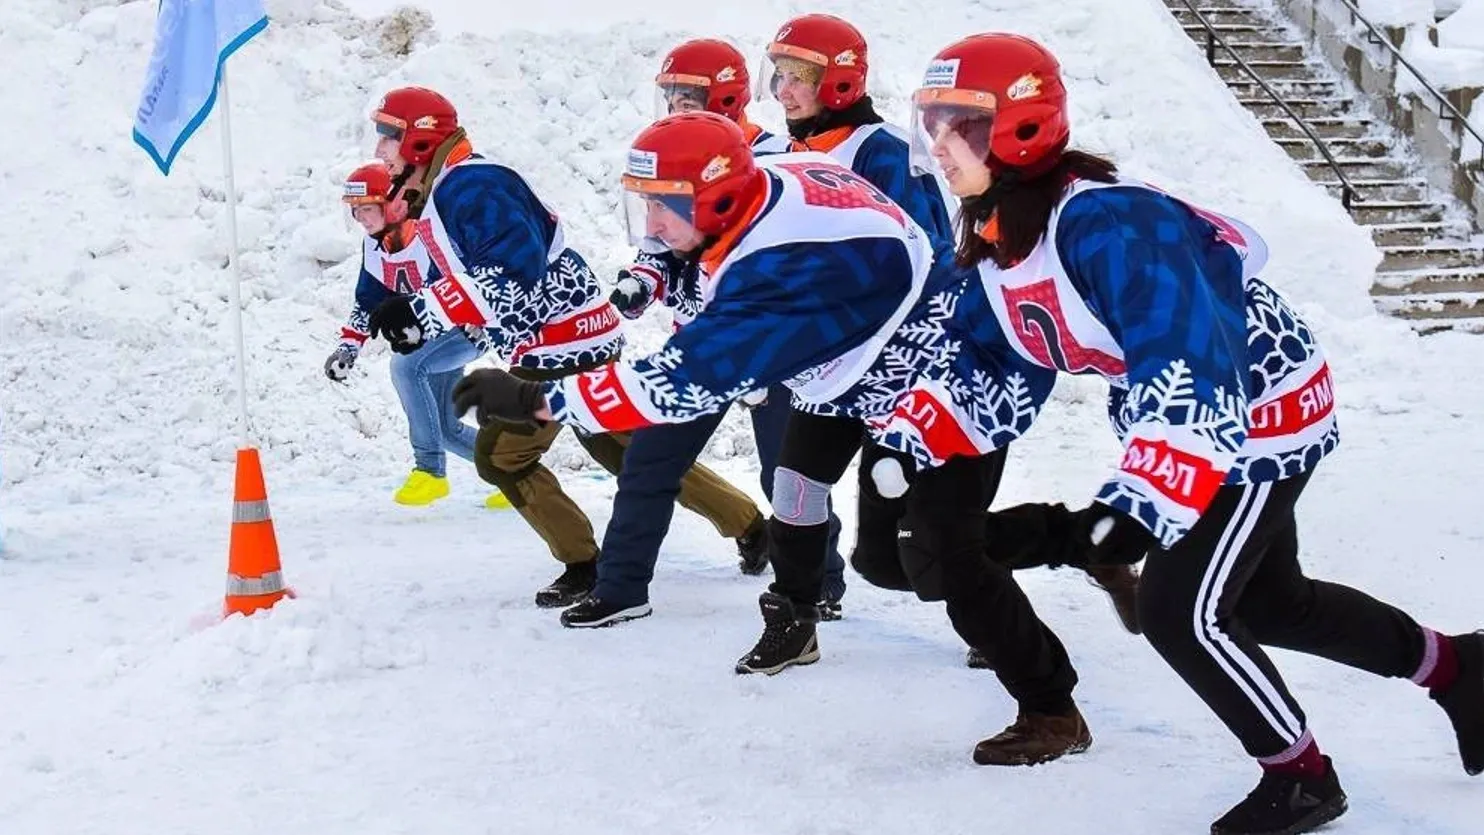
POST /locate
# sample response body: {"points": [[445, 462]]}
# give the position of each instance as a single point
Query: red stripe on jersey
{"points": [[1297, 410], [1182, 477], [349, 335], [588, 324], [458, 307], [603, 393], [936, 425], [435, 252]]}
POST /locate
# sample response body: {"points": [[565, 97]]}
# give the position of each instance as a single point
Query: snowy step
{"points": [[1432, 255], [1461, 324], [1357, 168], [1346, 127], [1427, 306], [1269, 71], [1396, 234], [1447, 281], [1372, 190], [1289, 88], [1263, 107], [1303, 148], [1220, 16], [1230, 31], [1393, 211], [1262, 51]]}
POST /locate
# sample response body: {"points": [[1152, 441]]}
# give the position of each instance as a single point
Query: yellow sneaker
{"points": [[498, 501], [422, 487]]}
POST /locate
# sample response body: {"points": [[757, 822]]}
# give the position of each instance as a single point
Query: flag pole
{"points": [[245, 435]]}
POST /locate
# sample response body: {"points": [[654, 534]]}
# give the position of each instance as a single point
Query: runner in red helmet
{"points": [[818, 65], [698, 75], [394, 260], [1219, 393]]}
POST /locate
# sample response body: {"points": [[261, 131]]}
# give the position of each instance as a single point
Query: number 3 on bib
{"points": [[841, 188]]}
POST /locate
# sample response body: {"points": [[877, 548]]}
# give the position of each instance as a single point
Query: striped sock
{"points": [[1302, 759], [1439, 665]]}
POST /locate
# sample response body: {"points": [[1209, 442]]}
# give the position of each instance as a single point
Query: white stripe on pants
{"points": [[1247, 675]]}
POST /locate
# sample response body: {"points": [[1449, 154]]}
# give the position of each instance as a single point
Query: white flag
{"points": [[192, 40]]}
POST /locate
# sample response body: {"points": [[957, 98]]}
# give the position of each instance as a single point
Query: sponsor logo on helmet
{"points": [[783, 33], [716, 168], [426, 122], [669, 62], [728, 73], [846, 58], [643, 164], [1027, 86], [355, 188], [941, 74]]}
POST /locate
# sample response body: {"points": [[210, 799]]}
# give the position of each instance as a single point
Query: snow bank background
{"points": [[412, 687]]}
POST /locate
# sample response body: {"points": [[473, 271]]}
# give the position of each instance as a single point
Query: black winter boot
{"points": [[788, 637]]}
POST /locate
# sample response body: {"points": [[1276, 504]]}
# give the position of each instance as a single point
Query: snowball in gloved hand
{"points": [[890, 481]]}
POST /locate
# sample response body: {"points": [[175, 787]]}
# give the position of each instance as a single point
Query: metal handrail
{"points": [[1378, 37], [1348, 194]]}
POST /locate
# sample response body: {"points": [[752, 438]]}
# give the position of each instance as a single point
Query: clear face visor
{"points": [[950, 128], [674, 93], [658, 210], [786, 68]]}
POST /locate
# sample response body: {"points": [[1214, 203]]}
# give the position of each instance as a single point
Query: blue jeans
{"points": [[424, 380], [653, 464]]}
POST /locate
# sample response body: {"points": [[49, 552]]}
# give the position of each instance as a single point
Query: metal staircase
{"points": [[1431, 273]]}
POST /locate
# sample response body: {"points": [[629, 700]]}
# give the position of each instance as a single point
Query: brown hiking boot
{"points": [[1035, 738], [1121, 582]]}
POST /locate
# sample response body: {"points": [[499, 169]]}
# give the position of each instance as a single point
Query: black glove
{"points": [[1111, 537], [395, 321], [497, 395], [1033, 535], [630, 295], [337, 367]]}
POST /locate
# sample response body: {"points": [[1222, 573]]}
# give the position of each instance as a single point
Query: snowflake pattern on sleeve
{"points": [[514, 311]]}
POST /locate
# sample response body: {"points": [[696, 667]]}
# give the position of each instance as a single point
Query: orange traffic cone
{"points": [[254, 577]]}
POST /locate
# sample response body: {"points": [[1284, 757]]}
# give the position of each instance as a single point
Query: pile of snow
{"points": [[1456, 61], [1464, 28]]}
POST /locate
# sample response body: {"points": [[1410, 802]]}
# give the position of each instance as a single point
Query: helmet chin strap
{"points": [[396, 191], [416, 194]]}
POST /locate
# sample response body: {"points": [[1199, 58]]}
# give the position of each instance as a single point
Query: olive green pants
{"points": [[509, 457]]}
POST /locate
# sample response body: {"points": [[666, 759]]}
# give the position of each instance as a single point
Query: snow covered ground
{"points": [[412, 687]]}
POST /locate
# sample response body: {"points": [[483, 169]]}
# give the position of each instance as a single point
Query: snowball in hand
{"points": [[890, 481]]}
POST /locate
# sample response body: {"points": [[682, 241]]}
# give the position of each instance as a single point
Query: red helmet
{"points": [[711, 71], [698, 164], [831, 44], [1003, 92], [420, 118], [371, 184]]}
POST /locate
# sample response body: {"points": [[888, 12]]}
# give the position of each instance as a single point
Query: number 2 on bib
{"points": [[841, 188]]}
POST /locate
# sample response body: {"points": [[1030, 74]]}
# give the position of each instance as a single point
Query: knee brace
{"points": [[799, 500]]}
